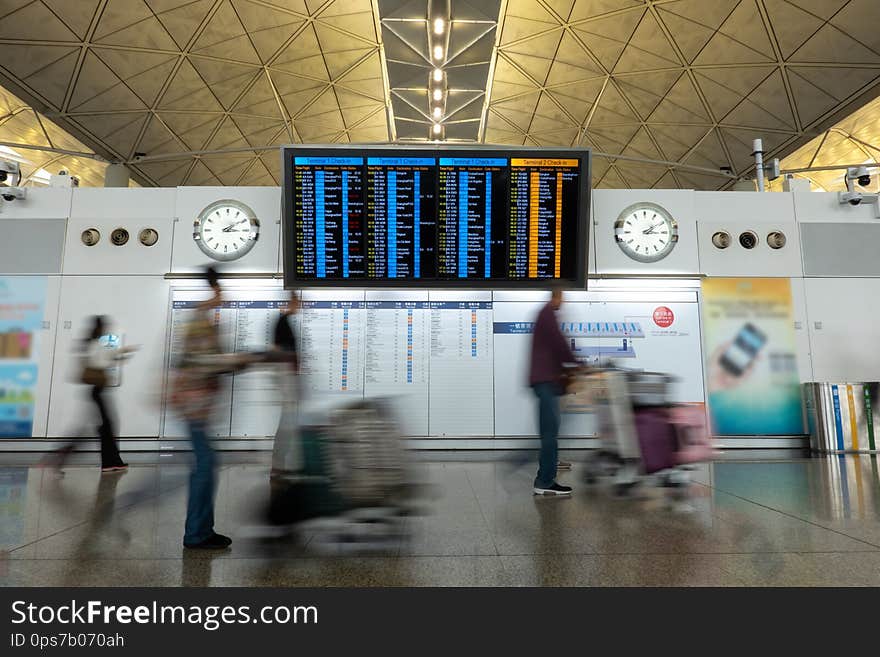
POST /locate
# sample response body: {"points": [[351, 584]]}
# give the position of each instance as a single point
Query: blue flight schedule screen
{"points": [[400, 235], [455, 215]]}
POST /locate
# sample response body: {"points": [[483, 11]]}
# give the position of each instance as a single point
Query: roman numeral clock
{"points": [[226, 230], [646, 232]]}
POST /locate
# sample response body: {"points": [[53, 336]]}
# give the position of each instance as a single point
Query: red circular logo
{"points": [[663, 317]]}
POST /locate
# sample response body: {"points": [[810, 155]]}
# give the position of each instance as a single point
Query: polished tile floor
{"points": [[760, 520]]}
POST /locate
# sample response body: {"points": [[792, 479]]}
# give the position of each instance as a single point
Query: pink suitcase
{"points": [[694, 442]]}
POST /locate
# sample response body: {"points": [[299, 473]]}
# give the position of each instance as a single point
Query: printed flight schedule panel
{"points": [[444, 216]]}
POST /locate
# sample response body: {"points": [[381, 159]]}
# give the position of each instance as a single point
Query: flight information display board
{"points": [[439, 217]]}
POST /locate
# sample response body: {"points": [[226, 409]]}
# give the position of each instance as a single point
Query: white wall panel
{"points": [[41, 203], [107, 258], [607, 206], [824, 206], [46, 352], [123, 202], [266, 204], [738, 212], [843, 321], [138, 307], [801, 330]]}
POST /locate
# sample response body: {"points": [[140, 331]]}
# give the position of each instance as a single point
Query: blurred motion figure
{"points": [[194, 389], [547, 377], [286, 453], [98, 358]]}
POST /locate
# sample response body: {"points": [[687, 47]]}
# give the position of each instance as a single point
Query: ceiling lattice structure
{"points": [[167, 76], [20, 124], [691, 81], [855, 140], [687, 81]]}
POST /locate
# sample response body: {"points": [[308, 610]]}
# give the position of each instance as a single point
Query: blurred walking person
{"points": [[194, 390], [286, 455], [98, 360], [547, 377]]}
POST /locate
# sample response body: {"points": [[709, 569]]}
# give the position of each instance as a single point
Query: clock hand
{"points": [[229, 228]]}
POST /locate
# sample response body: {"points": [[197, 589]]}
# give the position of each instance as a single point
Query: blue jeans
{"points": [[200, 506], [548, 425]]}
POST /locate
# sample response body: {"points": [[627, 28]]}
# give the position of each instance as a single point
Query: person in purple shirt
{"points": [[550, 355]]}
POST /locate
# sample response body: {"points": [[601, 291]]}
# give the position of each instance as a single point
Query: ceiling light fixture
{"points": [[438, 52], [438, 94], [437, 112], [439, 25], [438, 75], [437, 128]]}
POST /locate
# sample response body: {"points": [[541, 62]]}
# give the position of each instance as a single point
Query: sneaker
{"points": [[121, 466], [213, 542], [555, 489], [563, 465], [109, 469]]}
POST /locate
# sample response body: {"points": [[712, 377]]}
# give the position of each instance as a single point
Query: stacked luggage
{"points": [[355, 487], [642, 432]]}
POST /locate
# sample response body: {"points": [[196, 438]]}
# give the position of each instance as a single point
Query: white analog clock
{"points": [[646, 232], [226, 230]]}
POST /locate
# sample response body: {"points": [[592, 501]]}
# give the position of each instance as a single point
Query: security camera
{"points": [[8, 169], [860, 174], [12, 193], [853, 198]]}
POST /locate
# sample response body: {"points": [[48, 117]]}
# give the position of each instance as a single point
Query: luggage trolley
{"points": [[642, 433]]}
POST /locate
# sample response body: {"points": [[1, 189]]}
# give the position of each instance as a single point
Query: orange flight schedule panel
{"points": [[543, 191]]}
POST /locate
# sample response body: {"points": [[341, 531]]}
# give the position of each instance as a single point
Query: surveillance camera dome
{"points": [[864, 180], [855, 201], [3, 176], [8, 197]]}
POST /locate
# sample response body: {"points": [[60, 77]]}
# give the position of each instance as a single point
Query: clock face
{"points": [[646, 232], [226, 230]]}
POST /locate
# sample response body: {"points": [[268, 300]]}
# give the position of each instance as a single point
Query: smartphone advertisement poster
{"points": [[21, 315], [751, 367]]}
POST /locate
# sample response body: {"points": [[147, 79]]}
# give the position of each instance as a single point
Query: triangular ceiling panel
{"points": [[646, 90], [225, 36], [146, 33], [534, 66], [792, 26], [181, 18], [227, 81], [839, 82], [709, 153], [584, 10], [725, 88], [607, 38], [76, 16], [613, 108], [811, 101], [690, 37], [201, 175], [746, 25], [830, 45], [34, 22], [711, 14], [641, 145], [648, 49], [157, 139], [682, 104], [189, 91], [51, 81], [117, 130], [677, 141], [614, 138]]}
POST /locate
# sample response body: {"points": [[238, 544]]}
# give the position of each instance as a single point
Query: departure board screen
{"points": [[435, 216]]}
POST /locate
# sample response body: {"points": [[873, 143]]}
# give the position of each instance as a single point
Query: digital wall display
{"points": [[451, 216]]}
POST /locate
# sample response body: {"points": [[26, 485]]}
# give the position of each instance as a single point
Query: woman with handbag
{"points": [[99, 358]]}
